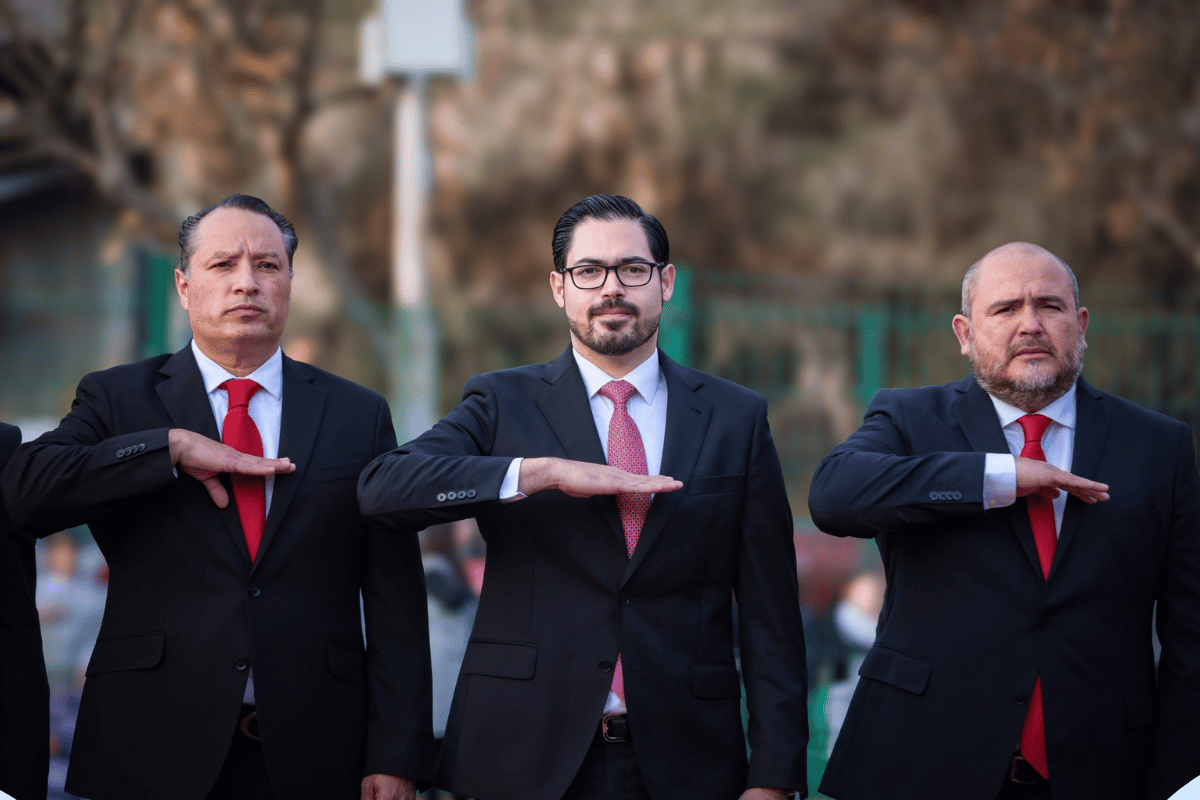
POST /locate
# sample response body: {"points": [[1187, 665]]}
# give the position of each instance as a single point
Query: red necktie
{"points": [[626, 451], [240, 433], [1041, 519]]}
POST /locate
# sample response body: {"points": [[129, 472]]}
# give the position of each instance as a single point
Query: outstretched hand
{"points": [[585, 479], [387, 787], [1038, 477], [205, 459]]}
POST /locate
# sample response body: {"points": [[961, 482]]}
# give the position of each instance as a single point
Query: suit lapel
{"points": [[186, 401], [1091, 430], [303, 407], [977, 417], [568, 411], [688, 416]]}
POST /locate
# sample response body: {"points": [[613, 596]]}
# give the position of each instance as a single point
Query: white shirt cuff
{"points": [[512, 479], [999, 480]]}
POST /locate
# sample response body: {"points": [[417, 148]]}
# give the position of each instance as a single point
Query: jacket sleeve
{"points": [[445, 474], [399, 694], [83, 468], [874, 483], [1177, 750], [771, 632]]}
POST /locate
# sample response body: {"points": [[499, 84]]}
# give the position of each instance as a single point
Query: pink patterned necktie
{"points": [[239, 432], [626, 451], [1041, 519]]}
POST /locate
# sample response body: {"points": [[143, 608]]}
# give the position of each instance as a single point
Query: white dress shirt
{"points": [[1058, 443], [647, 407], [266, 409]]}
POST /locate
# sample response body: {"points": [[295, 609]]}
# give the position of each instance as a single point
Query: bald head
{"points": [[1007, 254]]}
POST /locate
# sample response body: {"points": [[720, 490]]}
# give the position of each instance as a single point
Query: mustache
{"points": [[1039, 342], [613, 304]]}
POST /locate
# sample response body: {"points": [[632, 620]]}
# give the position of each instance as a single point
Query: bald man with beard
{"points": [[1029, 525]]}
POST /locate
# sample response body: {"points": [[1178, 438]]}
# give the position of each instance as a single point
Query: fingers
{"points": [[243, 464], [1046, 480], [216, 491]]}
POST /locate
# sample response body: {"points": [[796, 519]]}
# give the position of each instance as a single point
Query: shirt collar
{"points": [[644, 377], [1061, 410], [269, 375]]}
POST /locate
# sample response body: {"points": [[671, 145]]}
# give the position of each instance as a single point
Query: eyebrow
{"points": [[224, 254], [1043, 298], [599, 262]]}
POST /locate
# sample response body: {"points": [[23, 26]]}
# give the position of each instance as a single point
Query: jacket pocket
{"points": [[347, 663], [515, 660], [1135, 523], [715, 680], [119, 653], [896, 669], [344, 470], [715, 484], [1139, 708]]}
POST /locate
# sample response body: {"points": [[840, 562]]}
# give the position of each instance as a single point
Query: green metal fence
{"points": [[820, 349]]}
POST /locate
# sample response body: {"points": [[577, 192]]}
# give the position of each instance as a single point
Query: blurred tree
{"points": [[168, 105]]}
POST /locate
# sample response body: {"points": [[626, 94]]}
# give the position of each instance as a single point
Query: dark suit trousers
{"points": [[609, 772]]}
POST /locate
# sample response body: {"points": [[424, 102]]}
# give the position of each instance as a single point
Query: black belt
{"points": [[1022, 773], [615, 728]]}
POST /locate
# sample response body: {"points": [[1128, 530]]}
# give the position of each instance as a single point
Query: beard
{"points": [[619, 339], [1028, 392]]}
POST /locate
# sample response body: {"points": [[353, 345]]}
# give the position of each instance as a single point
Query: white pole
{"points": [[415, 359]]}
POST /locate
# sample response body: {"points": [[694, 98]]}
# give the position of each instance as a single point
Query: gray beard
{"points": [[1028, 394]]}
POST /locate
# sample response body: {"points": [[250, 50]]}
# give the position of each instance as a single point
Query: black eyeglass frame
{"points": [[614, 268]]}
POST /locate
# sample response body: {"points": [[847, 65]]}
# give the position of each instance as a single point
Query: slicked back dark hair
{"points": [[187, 232], [608, 207]]}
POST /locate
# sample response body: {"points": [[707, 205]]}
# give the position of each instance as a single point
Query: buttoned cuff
{"points": [[509, 490], [999, 480]]}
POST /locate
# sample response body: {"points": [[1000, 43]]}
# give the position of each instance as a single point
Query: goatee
{"points": [[614, 341]]}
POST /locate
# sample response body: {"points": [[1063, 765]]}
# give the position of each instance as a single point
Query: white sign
{"points": [[426, 36]]}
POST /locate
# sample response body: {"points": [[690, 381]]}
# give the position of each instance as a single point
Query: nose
{"points": [[612, 286], [245, 278], [1030, 320]]}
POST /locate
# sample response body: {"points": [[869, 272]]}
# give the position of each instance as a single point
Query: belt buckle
{"points": [[604, 721], [244, 726], [1012, 769]]}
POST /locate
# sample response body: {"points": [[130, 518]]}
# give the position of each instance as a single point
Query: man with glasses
{"points": [[625, 499]]}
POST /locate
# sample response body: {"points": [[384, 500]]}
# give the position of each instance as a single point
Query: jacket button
{"points": [[441, 498], [470, 493], [933, 495], [1020, 699], [121, 453], [1044, 623], [255, 591], [623, 599], [605, 666], [141, 447], [240, 664]]}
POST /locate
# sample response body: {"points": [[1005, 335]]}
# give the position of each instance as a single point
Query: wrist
{"points": [[537, 474]]}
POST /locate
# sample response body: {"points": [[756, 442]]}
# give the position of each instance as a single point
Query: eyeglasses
{"points": [[631, 273]]}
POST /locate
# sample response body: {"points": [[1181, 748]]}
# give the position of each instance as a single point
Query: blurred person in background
{"points": [[231, 661], [601, 664], [1014, 651], [24, 691], [855, 617], [452, 605], [67, 602]]}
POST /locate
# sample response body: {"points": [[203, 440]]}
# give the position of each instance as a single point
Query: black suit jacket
{"points": [[968, 622], [187, 610], [24, 694], [561, 597]]}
